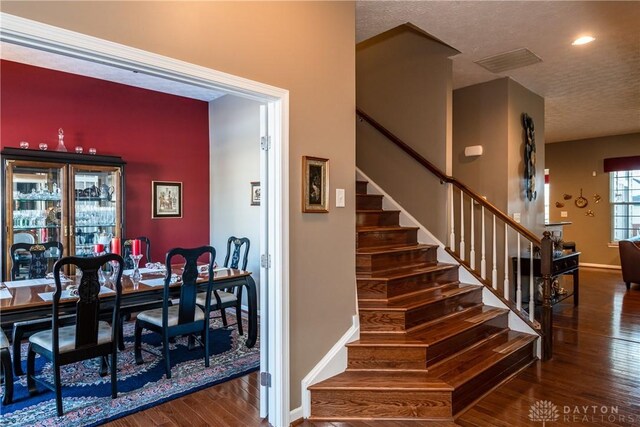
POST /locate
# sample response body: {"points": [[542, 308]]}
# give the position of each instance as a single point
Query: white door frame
{"points": [[45, 37]]}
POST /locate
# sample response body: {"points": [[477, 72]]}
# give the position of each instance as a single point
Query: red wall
{"points": [[161, 137]]}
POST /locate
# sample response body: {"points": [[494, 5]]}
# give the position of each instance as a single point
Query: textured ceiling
{"points": [[591, 90], [40, 58]]}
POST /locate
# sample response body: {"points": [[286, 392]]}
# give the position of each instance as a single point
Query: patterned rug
{"points": [[87, 396]]}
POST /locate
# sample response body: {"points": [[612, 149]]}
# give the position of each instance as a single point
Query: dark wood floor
{"points": [[596, 363]]}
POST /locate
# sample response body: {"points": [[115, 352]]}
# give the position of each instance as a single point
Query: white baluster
{"points": [[462, 248], [472, 251], [532, 306], [494, 271], [519, 281], [506, 262], [483, 259], [452, 236]]}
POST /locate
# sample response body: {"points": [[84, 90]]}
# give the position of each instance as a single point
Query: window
{"points": [[625, 204]]}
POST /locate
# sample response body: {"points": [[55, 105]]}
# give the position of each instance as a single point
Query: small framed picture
{"points": [[166, 199], [255, 193], [315, 184]]}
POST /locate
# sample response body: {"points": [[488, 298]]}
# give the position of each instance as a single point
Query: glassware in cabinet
{"points": [[96, 211], [35, 209]]}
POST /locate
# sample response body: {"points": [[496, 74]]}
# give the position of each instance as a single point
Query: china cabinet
{"points": [[75, 199]]}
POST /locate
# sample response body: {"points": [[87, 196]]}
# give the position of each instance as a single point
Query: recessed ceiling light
{"points": [[583, 40]]}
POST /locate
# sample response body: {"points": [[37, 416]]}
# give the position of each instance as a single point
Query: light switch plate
{"points": [[339, 197], [564, 214], [516, 217]]}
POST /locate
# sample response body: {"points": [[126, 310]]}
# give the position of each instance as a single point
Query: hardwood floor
{"points": [[596, 362]]}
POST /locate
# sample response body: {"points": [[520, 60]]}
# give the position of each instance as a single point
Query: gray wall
{"points": [[305, 47], [571, 165], [234, 128], [403, 80], [490, 114], [480, 117], [522, 100]]}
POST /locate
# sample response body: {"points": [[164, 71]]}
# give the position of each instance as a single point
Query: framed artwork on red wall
{"points": [[166, 199]]}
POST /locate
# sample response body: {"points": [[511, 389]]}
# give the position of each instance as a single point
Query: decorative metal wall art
{"points": [[529, 157], [581, 202], [567, 196], [559, 205]]}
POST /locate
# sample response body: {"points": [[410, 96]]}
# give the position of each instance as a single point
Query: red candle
{"points": [[115, 245], [135, 247], [98, 248]]}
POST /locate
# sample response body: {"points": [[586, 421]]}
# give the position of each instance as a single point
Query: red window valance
{"points": [[616, 164]]}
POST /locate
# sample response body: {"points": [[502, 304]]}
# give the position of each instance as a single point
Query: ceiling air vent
{"points": [[509, 60]]}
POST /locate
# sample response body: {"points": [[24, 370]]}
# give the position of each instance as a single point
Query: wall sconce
{"points": [[473, 151]]}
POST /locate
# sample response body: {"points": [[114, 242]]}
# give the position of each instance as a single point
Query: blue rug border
{"points": [[173, 397]]}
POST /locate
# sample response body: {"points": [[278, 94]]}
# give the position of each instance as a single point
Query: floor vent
{"points": [[509, 60]]}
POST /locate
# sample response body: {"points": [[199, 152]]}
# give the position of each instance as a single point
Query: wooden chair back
{"points": [[38, 260]]}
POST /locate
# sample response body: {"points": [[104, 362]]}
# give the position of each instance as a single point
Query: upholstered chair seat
{"points": [[4, 342], [155, 316], [225, 297], [67, 337]]}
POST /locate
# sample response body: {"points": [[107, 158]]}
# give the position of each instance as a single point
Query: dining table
{"points": [[26, 305]]}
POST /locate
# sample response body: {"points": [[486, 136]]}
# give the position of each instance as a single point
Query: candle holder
{"points": [[136, 276]]}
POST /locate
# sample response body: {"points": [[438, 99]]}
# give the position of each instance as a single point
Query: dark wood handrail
{"points": [[448, 179]]}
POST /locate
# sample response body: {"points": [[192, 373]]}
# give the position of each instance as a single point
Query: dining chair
{"points": [[230, 297], [89, 337], [184, 318], [7, 371], [35, 256], [126, 251]]}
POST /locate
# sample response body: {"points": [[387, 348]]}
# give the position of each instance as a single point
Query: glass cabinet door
{"points": [[36, 210], [95, 210]]}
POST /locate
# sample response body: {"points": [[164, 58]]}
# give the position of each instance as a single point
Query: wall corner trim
{"points": [[334, 362], [295, 415]]}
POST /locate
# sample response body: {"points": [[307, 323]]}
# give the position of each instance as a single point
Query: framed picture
{"points": [[255, 193], [166, 199], [315, 184]]}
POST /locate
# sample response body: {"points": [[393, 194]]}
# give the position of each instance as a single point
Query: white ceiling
{"points": [[591, 90], [53, 61]]}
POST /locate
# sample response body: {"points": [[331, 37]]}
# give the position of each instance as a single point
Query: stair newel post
{"points": [[483, 259], [462, 248], [472, 250], [519, 278], [546, 255], [506, 262], [452, 236], [532, 302], [494, 271]]}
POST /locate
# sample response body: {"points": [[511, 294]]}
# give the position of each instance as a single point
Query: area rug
{"points": [[87, 396]]}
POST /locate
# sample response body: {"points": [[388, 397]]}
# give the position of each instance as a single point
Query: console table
{"points": [[568, 263]]}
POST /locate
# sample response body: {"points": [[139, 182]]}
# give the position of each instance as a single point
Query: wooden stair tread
{"points": [[404, 273], [383, 381], [376, 211], [415, 300], [393, 249], [366, 422], [382, 228], [438, 331], [469, 363]]}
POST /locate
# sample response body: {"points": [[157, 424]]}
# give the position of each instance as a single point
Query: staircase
{"points": [[428, 346]]}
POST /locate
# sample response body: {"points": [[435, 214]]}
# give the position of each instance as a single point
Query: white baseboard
{"points": [[295, 414], [333, 363], [607, 266]]}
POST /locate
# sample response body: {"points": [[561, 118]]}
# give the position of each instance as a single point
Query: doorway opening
{"points": [[81, 52]]}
